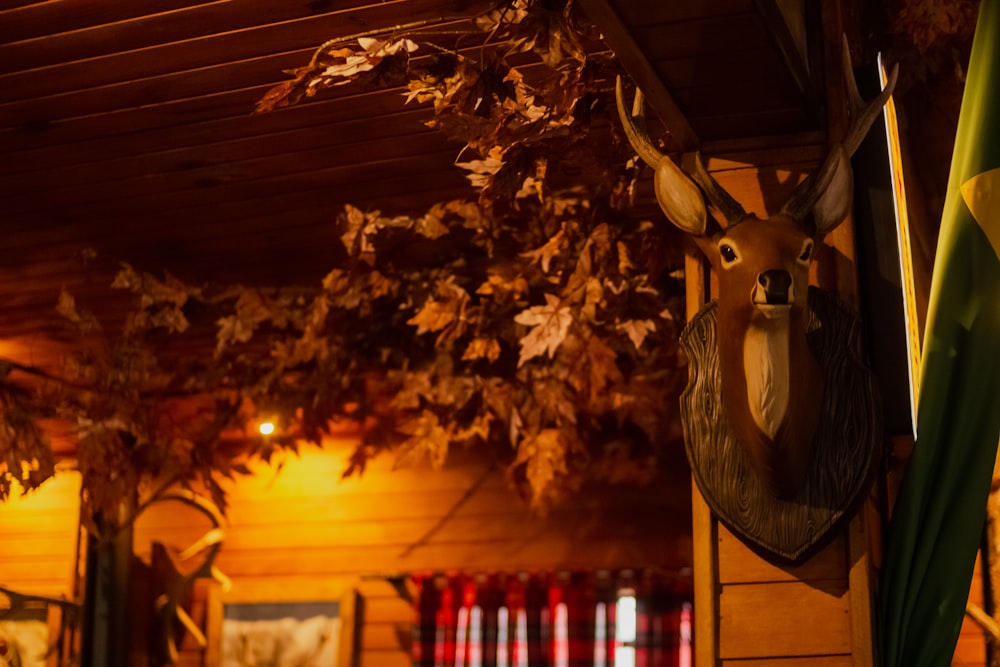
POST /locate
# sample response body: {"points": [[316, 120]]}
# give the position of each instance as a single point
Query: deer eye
{"points": [[727, 252], [807, 250]]}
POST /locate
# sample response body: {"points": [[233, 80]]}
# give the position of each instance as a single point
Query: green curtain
{"points": [[939, 515]]}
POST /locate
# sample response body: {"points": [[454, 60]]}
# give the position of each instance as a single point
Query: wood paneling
{"points": [[788, 619], [816, 661], [39, 536], [739, 565], [295, 531], [308, 521]]}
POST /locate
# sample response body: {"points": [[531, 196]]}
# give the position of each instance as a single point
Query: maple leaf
{"points": [[152, 290], [482, 348], [549, 326], [431, 226], [66, 306], [483, 171], [544, 253], [544, 458], [434, 316], [502, 285], [636, 330], [252, 308], [479, 429], [594, 370], [427, 440], [348, 62], [287, 93], [355, 238]]}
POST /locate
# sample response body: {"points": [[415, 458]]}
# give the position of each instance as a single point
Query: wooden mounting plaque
{"points": [[846, 450]]}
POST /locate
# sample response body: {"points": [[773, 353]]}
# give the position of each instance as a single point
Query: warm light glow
{"points": [[266, 428]]}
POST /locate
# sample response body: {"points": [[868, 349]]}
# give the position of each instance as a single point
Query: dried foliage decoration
{"points": [[537, 323]]}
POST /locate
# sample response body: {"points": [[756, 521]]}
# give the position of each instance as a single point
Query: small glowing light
{"points": [[266, 428]]}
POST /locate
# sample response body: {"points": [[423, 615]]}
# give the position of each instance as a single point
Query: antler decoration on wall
{"points": [[175, 572], [776, 390]]}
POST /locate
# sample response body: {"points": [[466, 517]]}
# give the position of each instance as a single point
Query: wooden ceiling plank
{"points": [[191, 54], [640, 13], [123, 203], [155, 90], [769, 94], [720, 68], [41, 18], [704, 37], [259, 170], [84, 140], [225, 104], [682, 136], [726, 126], [779, 25], [377, 190], [210, 19], [176, 85], [216, 154], [37, 271], [168, 100]]}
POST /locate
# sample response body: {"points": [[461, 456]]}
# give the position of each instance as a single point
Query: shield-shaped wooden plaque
{"points": [[846, 450]]}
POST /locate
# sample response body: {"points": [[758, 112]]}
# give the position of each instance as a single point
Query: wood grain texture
{"points": [[738, 564], [815, 661], [784, 619], [39, 535], [847, 445]]}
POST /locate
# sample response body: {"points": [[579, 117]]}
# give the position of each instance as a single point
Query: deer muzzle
{"points": [[774, 292]]}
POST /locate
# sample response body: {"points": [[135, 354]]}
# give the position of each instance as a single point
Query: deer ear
{"points": [[679, 198], [835, 199]]}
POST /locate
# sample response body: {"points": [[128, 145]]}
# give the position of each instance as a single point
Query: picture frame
{"points": [[307, 621], [36, 630]]}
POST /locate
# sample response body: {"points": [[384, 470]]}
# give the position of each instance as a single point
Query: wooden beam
{"points": [[788, 32], [682, 136]]}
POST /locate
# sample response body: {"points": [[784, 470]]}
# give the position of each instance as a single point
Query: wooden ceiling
{"points": [[126, 127]]}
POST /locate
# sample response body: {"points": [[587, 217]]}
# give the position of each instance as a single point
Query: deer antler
{"points": [[828, 194], [677, 192], [180, 575]]}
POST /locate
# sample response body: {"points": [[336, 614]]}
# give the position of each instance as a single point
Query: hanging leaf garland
{"points": [[537, 323]]}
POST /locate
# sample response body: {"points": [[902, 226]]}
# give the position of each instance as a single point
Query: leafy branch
{"points": [[536, 323]]}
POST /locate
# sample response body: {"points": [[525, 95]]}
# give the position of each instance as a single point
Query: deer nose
{"points": [[776, 284]]}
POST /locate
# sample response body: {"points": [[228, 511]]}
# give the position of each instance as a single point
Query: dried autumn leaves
{"points": [[535, 324]]}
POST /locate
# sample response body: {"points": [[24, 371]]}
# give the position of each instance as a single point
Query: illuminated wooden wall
{"points": [[38, 534], [305, 525]]}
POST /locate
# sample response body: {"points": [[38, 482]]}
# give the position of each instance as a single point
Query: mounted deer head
{"points": [[771, 383]]}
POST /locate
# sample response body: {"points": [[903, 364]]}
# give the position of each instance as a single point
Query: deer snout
{"points": [[774, 288]]}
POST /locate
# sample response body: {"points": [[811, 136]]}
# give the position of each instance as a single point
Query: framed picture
{"points": [[36, 630], [282, 621]]}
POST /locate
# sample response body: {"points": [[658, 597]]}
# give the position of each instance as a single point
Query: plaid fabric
{"points": [[425, 626], [580, 597], [540, 620], [658, 623], [537, 614]]}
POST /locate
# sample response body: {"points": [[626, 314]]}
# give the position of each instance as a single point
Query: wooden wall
{"points": [[38, 536], [304, 526]]}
